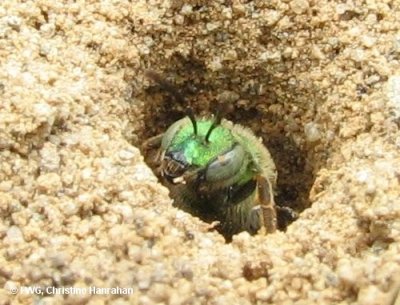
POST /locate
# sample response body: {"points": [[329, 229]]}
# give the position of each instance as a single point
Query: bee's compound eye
{"points": [[171, 132], [226, 165]]}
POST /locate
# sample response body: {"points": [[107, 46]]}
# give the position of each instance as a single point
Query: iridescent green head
{"points": [[202, 148]]}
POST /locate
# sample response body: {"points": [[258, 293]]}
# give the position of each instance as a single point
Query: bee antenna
{"points": [[214, 124], [190, 114], [171, 89]]}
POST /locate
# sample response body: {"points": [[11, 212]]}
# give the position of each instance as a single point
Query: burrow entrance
{"points": [[252, 103]]}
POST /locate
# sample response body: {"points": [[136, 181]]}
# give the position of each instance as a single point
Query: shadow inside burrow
{"points": [[201, 88]]}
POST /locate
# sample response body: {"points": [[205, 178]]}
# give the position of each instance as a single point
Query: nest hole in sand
{"points": [[254, 104]]}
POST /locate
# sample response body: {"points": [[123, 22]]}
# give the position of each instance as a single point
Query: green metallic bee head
{"points": [[202, 150], [217, 170]]}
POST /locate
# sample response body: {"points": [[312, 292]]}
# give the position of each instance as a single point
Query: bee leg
{"points": [[265, 197], [213, 226], [152, 142], [153, 157], [254, 221]]}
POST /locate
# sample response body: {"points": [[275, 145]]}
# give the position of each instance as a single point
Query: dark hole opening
{"points": [[201, 89]]}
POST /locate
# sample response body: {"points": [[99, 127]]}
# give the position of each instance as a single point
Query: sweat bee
{"points": [[218, 171]]}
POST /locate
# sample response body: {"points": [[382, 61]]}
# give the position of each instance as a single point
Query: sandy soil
{"points": [[318, 81]]}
